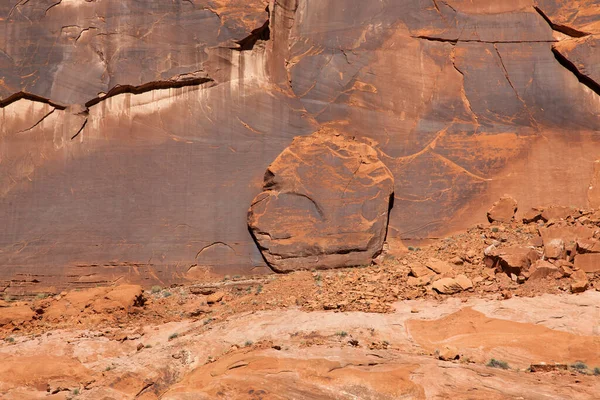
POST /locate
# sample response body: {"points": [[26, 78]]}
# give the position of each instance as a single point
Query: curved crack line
{"points": [[37, 123], [505, 71], [463, 169], [214, 244]]}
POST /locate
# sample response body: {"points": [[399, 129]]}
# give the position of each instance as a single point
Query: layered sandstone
{"points": [[134, 136]]}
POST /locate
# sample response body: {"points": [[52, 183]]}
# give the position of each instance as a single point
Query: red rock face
{"points": [[134, 135]]}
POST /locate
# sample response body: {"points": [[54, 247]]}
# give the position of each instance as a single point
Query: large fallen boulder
{"points": [[503, 210], [324, 204]]}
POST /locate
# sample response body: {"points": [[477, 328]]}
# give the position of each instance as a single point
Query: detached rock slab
{"points": [[452, 285], [503, 210], [512, 260], [324, 204]]}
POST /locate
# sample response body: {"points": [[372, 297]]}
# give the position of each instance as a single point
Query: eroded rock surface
{"points": [[133, 135], [325, 204]]}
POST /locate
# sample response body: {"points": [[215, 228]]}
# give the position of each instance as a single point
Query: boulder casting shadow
{"points": [[325, 204]]}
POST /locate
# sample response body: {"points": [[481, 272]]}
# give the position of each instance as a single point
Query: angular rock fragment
{"points": [[589, 262], [533, 215], [418, 271], [568, 234], [16, 315], [579, 282], [420, 281], [215, 297], [503, 210], [439, 266], [448, 353], [447, 286], [556, 213], [589, 245], [555, 248], [325, 204], [542, 269], [464, 282], [512, 260]]}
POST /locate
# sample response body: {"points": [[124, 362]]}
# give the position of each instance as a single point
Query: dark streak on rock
{"points": [[28, 96], [584, 79], [567, 30]]}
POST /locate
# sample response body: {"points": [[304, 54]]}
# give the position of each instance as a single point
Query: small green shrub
{"points": [[342, 334], [167, 294], [41, 296], [173, 336], [10, 339], [495, 229], [497, 364], [248, 343], [75, 392], [579, 366], [156, 289], [410, 248], [259, 289]]}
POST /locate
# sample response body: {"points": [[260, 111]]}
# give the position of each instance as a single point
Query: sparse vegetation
{"points": [[167, 294], [318, 279], [41, 296], [410, 248], [8, 298], [259, 289], [208, 321], [342, 334], [248, 343], [10, 339], [156, 289], [579, 366], [173, 336], [597, 371], [148, 346], [495, 229], [493, 363], [76, 392]]}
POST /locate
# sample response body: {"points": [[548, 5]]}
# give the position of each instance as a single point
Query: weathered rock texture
{"points": [[325, 204], [133, 135]]}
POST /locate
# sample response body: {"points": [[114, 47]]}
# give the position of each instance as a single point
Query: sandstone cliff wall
{"points": [[134, 135]]}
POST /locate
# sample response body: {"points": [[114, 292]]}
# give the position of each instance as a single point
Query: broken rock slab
{"points": [[503, 210], [439, 266], [512, 260], [579, 282], [542, 269], [589, 262], [452, 285], [324, 204]]}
